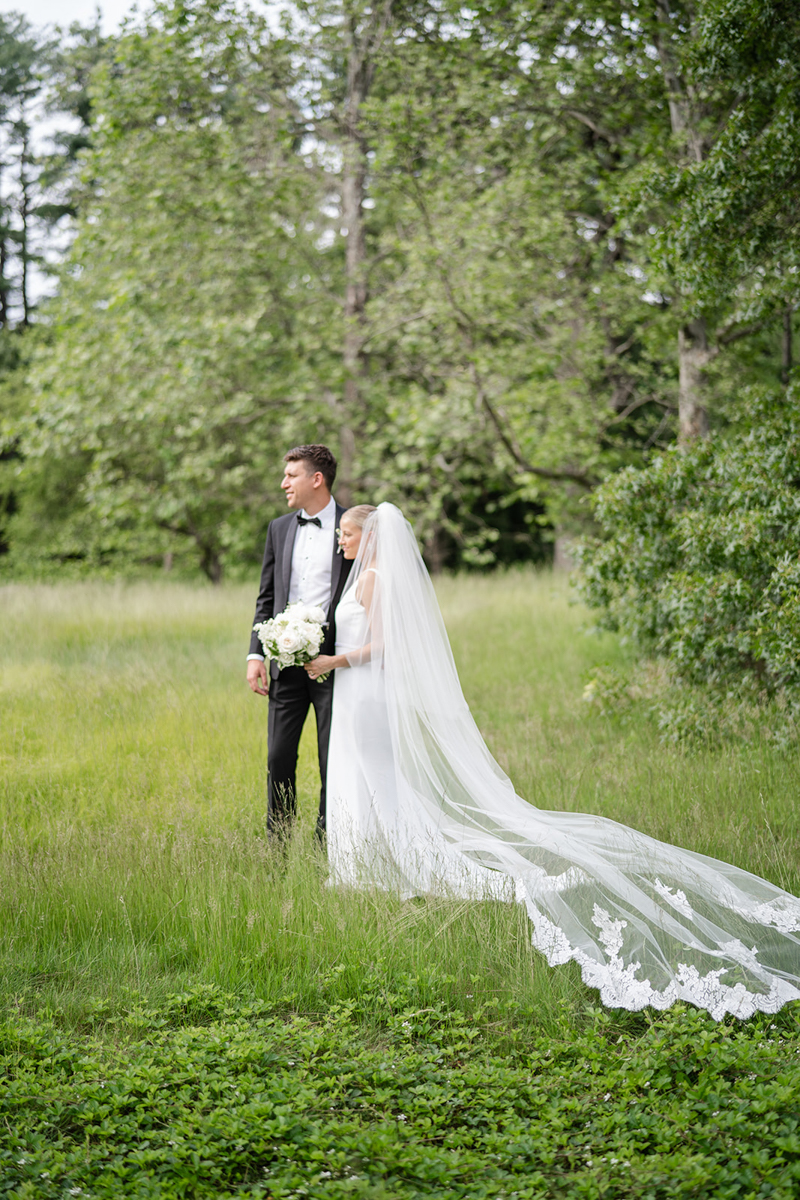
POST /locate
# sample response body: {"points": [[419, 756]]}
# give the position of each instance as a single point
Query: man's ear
{"points": [[319, 479]]}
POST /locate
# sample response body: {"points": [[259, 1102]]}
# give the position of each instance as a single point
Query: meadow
{"points": [[186, 1013]]}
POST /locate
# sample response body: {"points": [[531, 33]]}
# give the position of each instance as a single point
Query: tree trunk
{"points": [[355, 295], [364, 42], [25, 216], [354, 170], [211, 563], [786, 347], [435, 551], [693, 351], [5, 218], [563, 548], [3, 289], [347, 454], [693, 357], [680, 104]]}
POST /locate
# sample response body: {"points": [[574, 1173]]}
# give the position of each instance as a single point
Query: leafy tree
{"points": [[442, 239], [69, 68], [732, 235], [700, 558], [512, 266], [728, 244], [498, 312], [188, 308], [22, 57]]}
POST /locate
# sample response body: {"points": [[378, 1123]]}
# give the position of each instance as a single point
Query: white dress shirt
{"points": [[312, 561]]}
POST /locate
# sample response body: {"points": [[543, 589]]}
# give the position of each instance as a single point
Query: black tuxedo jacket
{"points": [[276, 571]]}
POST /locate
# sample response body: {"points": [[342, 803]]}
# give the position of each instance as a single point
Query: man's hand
{"points": [[257, 676]]}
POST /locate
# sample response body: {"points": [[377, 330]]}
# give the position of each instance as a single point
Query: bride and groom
{"points": [[412, 799]]}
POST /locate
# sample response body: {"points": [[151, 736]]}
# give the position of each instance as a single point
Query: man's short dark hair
{"points": [[316, 458]]}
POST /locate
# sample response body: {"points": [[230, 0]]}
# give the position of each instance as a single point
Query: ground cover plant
{"points": [[210, 1097], [185, 1015]]}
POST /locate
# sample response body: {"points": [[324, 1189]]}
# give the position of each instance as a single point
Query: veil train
{"points": [[648, 923]]}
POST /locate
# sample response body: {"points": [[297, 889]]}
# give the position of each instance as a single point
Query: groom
{"points": [[301, 562]]}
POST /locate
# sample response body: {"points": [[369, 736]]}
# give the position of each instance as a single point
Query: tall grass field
{"points": [[189, 1013]]}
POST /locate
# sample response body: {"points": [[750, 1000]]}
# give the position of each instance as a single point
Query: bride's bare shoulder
{"points": [[365, 588]]}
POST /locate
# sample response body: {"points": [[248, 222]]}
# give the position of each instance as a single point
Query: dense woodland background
{"points": [[504, 258]]}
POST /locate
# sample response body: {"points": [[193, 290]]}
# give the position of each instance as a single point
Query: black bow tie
{"points": [[309, 521]]}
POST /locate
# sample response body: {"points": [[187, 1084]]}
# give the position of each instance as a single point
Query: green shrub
{"points": [[699, 556]]}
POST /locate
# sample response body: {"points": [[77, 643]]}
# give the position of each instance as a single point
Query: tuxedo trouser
{"points": [[290, 696]]}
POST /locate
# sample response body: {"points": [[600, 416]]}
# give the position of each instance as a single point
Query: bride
{"points": [[417, 803]]}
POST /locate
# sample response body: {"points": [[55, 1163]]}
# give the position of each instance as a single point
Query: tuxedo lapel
{"points": [[337, 563], [286, 563]]}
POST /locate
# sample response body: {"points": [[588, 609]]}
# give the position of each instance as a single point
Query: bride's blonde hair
{"points": [[358, 514]]}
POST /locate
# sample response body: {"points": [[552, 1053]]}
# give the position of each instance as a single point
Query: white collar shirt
{"points": [[312, 559]]}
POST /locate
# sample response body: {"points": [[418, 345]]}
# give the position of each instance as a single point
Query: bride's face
{"points": [[349, 537]]}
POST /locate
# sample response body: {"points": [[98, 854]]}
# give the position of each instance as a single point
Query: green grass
{"points": [[149, 935], [132, 805]]}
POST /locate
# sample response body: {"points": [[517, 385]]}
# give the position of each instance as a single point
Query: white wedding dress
{"points": [[416, 803], [360, 758]]}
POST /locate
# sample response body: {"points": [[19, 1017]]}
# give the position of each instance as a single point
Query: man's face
{"points": [[300, 484]]}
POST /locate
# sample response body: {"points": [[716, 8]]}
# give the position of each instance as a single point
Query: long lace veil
{"points": [[647, 922]]}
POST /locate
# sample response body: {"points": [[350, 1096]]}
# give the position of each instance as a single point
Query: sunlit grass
{"points": [[132, 803]]}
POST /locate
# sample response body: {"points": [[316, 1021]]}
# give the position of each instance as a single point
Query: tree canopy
{"points": [[491, 256]]}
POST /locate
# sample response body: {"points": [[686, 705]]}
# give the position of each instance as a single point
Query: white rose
{"points": [[314, 613], [289, 641]]}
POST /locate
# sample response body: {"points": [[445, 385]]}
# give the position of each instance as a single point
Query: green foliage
{"points": [[23, 52], [35, 504], [169, 360], [197, 327], [731, 237], [12, 407], [207, 1096], [511, 357], [699, 561], [68, 72], [512, 320], [535, 233]]}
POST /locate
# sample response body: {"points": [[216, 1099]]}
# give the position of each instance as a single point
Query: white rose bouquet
{"points": [[294, 636]]}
